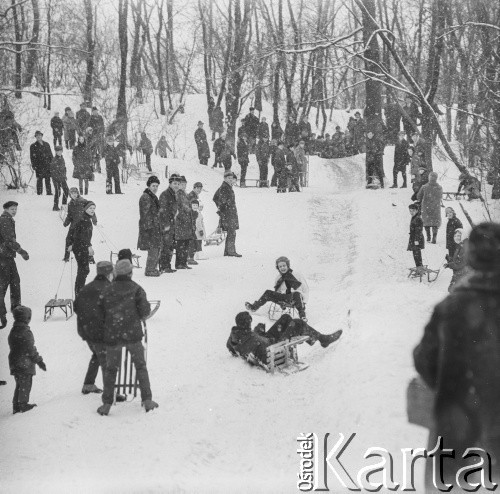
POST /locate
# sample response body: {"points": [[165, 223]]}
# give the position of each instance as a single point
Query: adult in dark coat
{"points": [[276, 131], [459, 359], [375, 156], [57, 126], [9, 246], [168, 211], [82, 118], [292, 132], [243, 149], [96, 123], [200, 138], [80, 243], [262, 154], [401, 160], [90, 324], [280, 170], [219, 145], [147, 149], [263, 130], [41, 158], [82, 165], [76, 208], [70, 128], [250, 126], [218, 122], [23, 357], [59, 178], [226, 208], [430, 196], [124, 306], [416, 241], [453, 224], [162, 147], [112, 155], [184, 228], [149, 226]]}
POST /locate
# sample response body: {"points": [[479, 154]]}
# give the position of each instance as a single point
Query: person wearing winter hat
{"points": [[458, 358], [9, 247], [80, 243], [252, 344], [430, 196], [290, 287], [41, 158], [90, 326], [125, 254], [22, 358], [225, 201], [458, 262], [168, 212], [453, 224], [149, 226], [200, 138], [124, 306]]}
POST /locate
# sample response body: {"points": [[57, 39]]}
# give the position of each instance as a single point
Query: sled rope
{"points": [[106, 239], [60, 279]]}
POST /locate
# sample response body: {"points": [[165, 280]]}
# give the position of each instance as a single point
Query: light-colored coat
{"points": [[430, 196], [303, 288]]}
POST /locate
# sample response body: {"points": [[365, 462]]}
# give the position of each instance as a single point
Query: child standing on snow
{"points": [[453, 224], [199, 230], [416, 242], [22, 358]]}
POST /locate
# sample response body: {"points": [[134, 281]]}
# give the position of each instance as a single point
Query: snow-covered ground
{"points": [[224, 426]]}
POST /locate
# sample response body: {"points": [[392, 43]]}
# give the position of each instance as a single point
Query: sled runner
{"points": [[135, 259], [374, 183], [216, 238], [65, 304], [421, 271], [155, 305], [453, 196]]}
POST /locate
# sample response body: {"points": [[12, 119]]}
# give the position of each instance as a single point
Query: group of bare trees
{"points": [[305, 58]]}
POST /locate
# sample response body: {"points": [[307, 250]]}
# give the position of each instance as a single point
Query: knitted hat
{"points": [[125, 254], [21, 313], [198, 184], [230, 174], [9, 204], [195, 201], [173, 178], [123, 267], [104, 267], [484, 247], [244, 320], [89, 203], [152, 180]]}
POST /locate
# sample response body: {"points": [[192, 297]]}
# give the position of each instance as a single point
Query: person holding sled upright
{"points": [[290, 287]]}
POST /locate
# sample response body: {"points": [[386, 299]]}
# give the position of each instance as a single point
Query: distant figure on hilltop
{"points": [[200, 137]]}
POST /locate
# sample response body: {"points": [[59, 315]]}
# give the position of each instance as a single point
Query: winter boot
{"points": [[104, 409], [168, 269], [15, 408], [192, 262], [302, 315], [250, 307], [154, 273], [3, 383], [326, 339], [55, 208], [25, 407], [90, 388], [3, 321], [394, 186], [149, 405]]}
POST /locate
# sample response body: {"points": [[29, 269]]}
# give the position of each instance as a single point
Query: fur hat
{"points": [[21, 313], [152, 180], [123, 267], [104, 267], [244, 320], [125, 254], [484, 247]]}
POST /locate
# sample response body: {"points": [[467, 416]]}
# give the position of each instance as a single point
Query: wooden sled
{"points": [[135, 259], [282, 356], [432, 274], [255, 182], [453, 196], [216, 237], [126, 380], [65, 304]]}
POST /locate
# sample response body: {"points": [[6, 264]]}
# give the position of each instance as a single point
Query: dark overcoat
{"points": [[416, 233], [168, 209], [149, 221], [23, 353], [41, 158], [82, 161], [184, 221], [225, 201], [8, 243]]}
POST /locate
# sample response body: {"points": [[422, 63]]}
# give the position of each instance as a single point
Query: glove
{"points": [[42, 365], [91, 251], [24, 254]]}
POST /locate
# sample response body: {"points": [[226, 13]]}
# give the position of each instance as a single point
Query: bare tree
{"points": [[89, 77]]}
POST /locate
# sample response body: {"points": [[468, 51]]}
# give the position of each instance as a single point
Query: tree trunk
{"points": [[33, 54], [17, 31], [89, 77], [49, 40], [172, 72], [121, 110]]}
